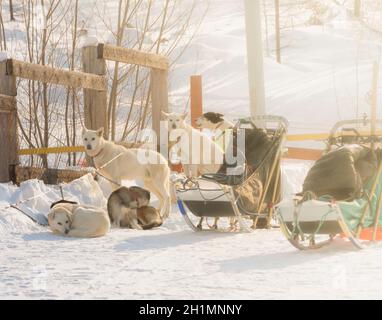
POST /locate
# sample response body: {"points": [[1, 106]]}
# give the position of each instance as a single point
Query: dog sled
{"points": [[342, 194], [241, 202]]}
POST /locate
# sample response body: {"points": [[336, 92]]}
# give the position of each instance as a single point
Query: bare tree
{"points": [[265, 14], [11, 11], [161, 28], [39, 103], [277, 28], [3, 40], [71, 94]]}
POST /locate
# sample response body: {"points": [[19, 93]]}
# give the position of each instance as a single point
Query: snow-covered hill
{"points": [[325, 75]]}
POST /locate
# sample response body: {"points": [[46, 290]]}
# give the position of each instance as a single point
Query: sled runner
{"points": [[342, 194], [241, 202]]}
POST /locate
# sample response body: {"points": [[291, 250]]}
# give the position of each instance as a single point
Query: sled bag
{"points": [[342, 173]]}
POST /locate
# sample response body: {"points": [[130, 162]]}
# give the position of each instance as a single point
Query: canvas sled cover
{"points": [[342, 173]]}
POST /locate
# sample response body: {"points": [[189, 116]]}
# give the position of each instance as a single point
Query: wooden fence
{"points": [[92, 80]]}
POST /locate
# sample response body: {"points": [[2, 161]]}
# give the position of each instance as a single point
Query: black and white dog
{"points": [[217, 125], [213, 121]]}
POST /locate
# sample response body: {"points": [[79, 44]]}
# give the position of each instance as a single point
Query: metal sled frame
{"points": [[302, 240], [365, 137], [243, 222], [247, 221]]}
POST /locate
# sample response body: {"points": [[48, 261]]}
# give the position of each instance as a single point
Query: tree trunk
{"points": [[12, 16], [357, 8], [3, 44], [45, 102], [277, 27]]}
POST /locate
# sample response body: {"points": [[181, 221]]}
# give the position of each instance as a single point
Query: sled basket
{"points": [[311, 222], [243, 199]]}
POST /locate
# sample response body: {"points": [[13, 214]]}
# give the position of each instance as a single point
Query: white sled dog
{"points": [[78, 221], [118, 163], [199, 154]]}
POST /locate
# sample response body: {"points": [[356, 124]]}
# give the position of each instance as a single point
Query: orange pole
{"points": [[196, 96]]}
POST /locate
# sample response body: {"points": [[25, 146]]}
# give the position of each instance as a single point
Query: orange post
{"points": [[196, 93]]}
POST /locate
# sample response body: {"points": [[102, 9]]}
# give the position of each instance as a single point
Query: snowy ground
{"points": [[172, 262]]}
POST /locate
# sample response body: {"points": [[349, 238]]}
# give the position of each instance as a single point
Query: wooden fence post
{"points": [[159, 102], [8, 123], [196, 98], [95, 101]]}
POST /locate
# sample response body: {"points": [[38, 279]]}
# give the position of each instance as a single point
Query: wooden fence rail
{"points": [[130, 56], [46, 74]]}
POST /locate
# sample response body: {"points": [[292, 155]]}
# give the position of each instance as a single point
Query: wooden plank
{"points": [[55, 150], [51, 75], [8, 123], [196, 98], [7, 103], [49, 176], [131, 56], [303, 154], [159, 102], [95, 101]]}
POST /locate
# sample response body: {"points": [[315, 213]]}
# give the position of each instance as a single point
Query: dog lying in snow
{"points": [[131, 164], [80, 221], [129, 208], [199, 154]]}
